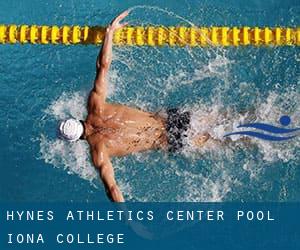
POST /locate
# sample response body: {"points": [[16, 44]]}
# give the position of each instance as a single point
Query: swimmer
{"points": [[114, 130]]}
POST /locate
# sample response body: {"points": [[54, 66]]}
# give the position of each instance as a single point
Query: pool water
{"points": [[42, 84]]}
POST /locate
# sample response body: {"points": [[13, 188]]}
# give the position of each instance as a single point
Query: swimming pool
{"points": [[42, 84]]}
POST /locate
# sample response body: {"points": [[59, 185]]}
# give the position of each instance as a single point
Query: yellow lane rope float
{"points": [[152, 36]]}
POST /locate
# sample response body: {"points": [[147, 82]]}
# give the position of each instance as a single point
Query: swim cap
{"points": [[70, 129]]}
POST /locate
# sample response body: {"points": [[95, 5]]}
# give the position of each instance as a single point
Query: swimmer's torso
{"points": [[124, 130]]}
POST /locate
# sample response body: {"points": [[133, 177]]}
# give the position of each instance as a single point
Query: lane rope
{"points": [[152, 35]]}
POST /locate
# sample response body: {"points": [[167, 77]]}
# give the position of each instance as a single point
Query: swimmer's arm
{"points": [[102, 65], [103, 164], [105, 56]]}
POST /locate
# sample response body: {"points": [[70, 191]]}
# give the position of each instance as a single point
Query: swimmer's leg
{"points": [[200, 140]]}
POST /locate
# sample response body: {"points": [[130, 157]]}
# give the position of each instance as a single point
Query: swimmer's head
{"points": [[70, 130]]}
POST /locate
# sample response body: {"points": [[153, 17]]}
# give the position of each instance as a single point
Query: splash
{"points": [[73, 158], [68, 105]]}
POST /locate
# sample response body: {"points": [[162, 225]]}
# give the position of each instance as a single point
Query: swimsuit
{"points": [[177, 125]]}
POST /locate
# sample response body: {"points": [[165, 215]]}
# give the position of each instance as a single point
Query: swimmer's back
{"points": [[126, 130]]}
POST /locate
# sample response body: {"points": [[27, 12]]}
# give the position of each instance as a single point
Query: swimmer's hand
{"points": [[115, 24]]}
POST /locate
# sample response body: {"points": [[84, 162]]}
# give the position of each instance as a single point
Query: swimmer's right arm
{"points": [[103, 164], [105, 56]]}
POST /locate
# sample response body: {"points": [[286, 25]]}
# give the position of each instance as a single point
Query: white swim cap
{"points": [[70, 130]]}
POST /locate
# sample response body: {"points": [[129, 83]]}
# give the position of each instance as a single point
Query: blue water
{"points": [[42, 84]]}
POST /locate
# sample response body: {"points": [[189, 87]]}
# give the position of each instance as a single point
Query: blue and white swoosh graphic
{"points": [[282, 134]]}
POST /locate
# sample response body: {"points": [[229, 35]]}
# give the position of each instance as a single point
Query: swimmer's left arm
{"points": [[103, 164], [105, 56]]}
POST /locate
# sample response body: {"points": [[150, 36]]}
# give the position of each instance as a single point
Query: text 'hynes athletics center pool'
{"points": [[233, 85]]}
